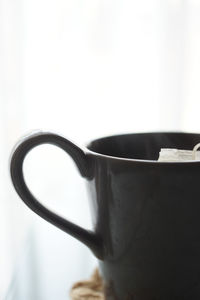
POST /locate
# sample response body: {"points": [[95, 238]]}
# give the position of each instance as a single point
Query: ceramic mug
{"points": [[147, 213]]}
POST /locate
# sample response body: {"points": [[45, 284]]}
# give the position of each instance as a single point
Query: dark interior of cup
{"points": [[143, 145]]}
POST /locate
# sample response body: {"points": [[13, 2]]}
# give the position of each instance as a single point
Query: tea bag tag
{"points": [[173, 155]]}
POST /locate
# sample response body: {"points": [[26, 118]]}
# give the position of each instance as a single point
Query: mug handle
{"points": [[84, 164]]}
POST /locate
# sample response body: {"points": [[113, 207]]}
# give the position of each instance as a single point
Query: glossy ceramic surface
{"points": [[146, 213]]}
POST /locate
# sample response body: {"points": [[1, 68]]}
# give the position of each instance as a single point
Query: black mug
{"points": [[147, 213]]}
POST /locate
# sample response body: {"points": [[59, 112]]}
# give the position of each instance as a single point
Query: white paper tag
{"points": [[172, 155]]}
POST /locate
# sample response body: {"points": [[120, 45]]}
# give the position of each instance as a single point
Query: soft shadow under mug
{"points": [[147, 213]]}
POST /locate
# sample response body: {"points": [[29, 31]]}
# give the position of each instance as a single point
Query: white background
{"points": [[87, 68]]}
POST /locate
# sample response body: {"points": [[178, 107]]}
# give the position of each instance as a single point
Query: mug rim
{"points": [[137, 160]]}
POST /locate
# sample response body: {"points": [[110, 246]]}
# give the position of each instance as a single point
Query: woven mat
{"points": [[91, 289]]}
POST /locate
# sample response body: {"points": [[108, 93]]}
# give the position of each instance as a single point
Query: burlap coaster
{"points": [[91, 289]]}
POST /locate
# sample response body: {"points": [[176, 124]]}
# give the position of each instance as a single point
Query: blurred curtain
{"points": [[86, 69]]}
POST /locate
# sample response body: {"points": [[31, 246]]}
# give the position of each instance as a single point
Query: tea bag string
{"points": [[196, 147]]}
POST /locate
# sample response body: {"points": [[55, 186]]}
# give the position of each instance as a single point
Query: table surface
{"points": [[49, 263]]}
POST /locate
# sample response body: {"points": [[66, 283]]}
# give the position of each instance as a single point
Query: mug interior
{"points": [[143, 145]]}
